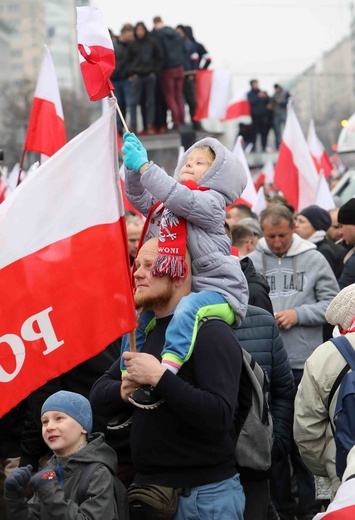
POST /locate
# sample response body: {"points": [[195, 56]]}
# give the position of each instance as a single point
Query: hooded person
{"points": [[66, 428], [188, 211]]}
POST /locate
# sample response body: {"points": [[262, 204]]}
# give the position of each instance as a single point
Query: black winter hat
{"points": [[346, 214], [318, 217]]}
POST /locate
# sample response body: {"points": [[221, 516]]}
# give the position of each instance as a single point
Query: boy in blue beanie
{"points": [[66, 429]]}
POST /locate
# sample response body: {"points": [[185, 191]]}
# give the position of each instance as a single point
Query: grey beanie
{"points": [[253, 224], [74, 405], [341, 309]]}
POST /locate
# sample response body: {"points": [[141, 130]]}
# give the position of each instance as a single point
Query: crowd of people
{"points": [[156, 73], [207, 284]]}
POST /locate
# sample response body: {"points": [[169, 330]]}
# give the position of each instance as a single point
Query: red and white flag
{"points": [[323, 196], [96, 53], [343, 505], [238, 106], [249, 194], [64, 265], [318, 153], [295, 173], [3, 189], [266, 175], [260, 201], [212, 93], [46, 129]]}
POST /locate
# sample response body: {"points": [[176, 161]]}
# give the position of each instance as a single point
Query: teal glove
{"points": [[134, 153]]}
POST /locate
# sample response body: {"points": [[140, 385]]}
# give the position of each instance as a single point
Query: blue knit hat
{"points": [[74, 405]]}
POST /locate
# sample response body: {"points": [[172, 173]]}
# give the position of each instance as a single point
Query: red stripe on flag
{"points": [[96, 70], [46, 130], [345, 513], [286, 175], [83, 297], [238, 109], [203, 93]]}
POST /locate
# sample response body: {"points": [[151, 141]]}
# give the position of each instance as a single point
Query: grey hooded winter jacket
{"points": [[301, 280], [213, 268]]}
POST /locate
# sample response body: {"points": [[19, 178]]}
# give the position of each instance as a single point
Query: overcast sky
{"points": [[269, 40]]}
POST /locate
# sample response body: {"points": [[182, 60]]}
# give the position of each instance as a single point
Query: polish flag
{"points": [[249, 194], [212, 93], [323, 196], [295, 173], [64, 265], [318, 153], [266, 175], [238, 107], [343, 505], [46, 129], [3, 188], [96, 53], [260, 201]]}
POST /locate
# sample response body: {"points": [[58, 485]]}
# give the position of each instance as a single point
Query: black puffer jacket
{"points": [[259, 335], [258, 287]]}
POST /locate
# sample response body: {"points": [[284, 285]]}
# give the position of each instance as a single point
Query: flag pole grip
{"points": [[119, 112], [132, 342]]}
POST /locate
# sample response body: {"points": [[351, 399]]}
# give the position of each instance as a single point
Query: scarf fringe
{"points": [[174, 266]]}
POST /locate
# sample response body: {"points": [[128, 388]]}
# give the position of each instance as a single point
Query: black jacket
{"points": [[348, 274], [258, 287], [334, 253], [144, 56], [259, 335]]}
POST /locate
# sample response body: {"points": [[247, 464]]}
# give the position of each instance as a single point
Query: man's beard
{"points": [[155, 302]]}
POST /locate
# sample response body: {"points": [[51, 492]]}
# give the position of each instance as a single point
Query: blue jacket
{"points": [[259, 335]]}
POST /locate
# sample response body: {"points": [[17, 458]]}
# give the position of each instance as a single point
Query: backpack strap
{"points": [[85, 479], [346, 350]]}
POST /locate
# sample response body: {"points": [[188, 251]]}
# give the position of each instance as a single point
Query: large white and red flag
{"points": [[64, 265], [295, 173], [96, 53], [343, 505], [318, 152], [249, 194], [46, 130], [260, 201], [238, 107], [212, 93]]}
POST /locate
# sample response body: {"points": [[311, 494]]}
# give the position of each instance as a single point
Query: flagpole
{"points": [[132, 342], [112, 95], [21, 165]]}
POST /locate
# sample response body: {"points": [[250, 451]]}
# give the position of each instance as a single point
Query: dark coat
{"points": [[348, 274], [258, 287], [334, 253], [259, 335]]}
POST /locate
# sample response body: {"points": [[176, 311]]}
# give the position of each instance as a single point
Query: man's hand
{"points": [[286, 319], [127, 387], [143, 369]]}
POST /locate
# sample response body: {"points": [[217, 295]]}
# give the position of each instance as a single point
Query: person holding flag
{"points": [[192, 214]]}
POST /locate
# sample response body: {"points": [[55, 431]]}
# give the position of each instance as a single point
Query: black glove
{"points": [[40, 478], [18, 480]]}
